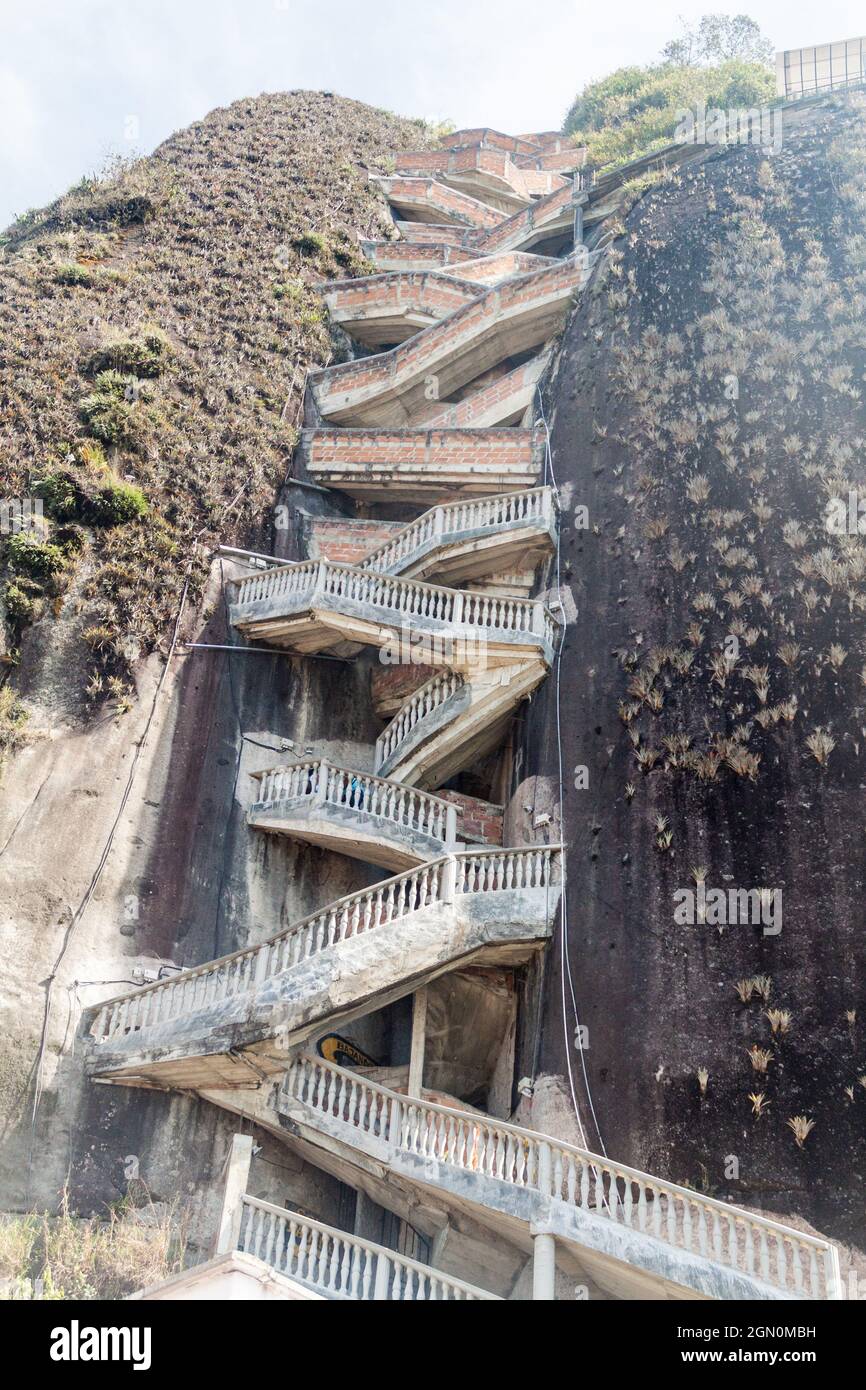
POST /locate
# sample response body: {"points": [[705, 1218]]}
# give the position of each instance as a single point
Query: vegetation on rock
{"points": [[722, 64], [156, 327]]}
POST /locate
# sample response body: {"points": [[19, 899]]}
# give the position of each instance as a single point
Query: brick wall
{"points": [[346, 540], [437, 295], [391, 686], [406, 255], [481, 821], [439, 197], [506, 448], [493, 139]]}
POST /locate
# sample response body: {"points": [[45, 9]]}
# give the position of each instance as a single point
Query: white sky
{"points": [[81, 79]]}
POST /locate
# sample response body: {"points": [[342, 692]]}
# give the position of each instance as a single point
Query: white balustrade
{"points": [[788, 1260], [446, 524], [408, 599], [425, 701], [395, 899], [363, 792], [341, 1265]]}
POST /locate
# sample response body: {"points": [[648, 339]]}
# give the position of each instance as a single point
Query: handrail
{"points": [[340, 1264], [676, 1215], [429, 697], [411, 598], [465, 871], [443, 524], [563, 275], [320, 781]]}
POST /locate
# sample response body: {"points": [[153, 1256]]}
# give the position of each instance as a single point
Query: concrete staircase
{"points": [[341, 1266], [467, 299], [237, 1020]]}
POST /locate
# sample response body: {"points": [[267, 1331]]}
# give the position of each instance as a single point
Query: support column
{"points": [[419, 1038], [238, 1172], [544, 1267]]}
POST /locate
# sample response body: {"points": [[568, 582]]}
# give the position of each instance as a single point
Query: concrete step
{"points": [[316, 605], [394, 388], [453, 721], [638, 1235], [489, 175], [506, 397], [238, 1019], [353, 813], [467, 540], [427, 200], [339, 1265], [380, 310]]}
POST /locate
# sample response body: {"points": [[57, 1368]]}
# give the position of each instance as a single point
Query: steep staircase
{"points": [[462, 312]]}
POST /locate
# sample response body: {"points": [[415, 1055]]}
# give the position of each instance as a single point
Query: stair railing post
{"points": [[448, 883], [394, 1122], [322, 782], [237, 1176], [450, 828], [383, 1271], [319, 581]]}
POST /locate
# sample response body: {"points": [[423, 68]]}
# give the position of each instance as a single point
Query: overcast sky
{"points": [[82, 79]]}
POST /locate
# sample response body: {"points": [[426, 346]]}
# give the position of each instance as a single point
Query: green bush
{"points": [[38, 559], [292, 290], [311, 244], [73, 274], [18, 603], [636, 110], [59, 493], [13, 717], [107, 412], [118, 503], [71, 539], [145, 356]]}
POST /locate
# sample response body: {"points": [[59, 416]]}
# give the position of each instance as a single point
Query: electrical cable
{"points": [[566, 973]]}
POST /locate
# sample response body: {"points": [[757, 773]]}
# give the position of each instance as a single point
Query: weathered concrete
{"points": [[255, 1031]]}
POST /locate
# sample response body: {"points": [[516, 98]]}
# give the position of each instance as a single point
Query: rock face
{"points": [[706, 721], [707, 407], [229, 275]]}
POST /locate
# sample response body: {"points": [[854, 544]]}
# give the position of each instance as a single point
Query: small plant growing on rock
{"points": [[745, 989], [118, 503], [107, 412], [760, 1057], [780, 1019], [820, 744], [71, 273], [35, 558], [143, 356], [13, 718], [801, 1127], [759, 1103], [703, 1078], [310, 243]]}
